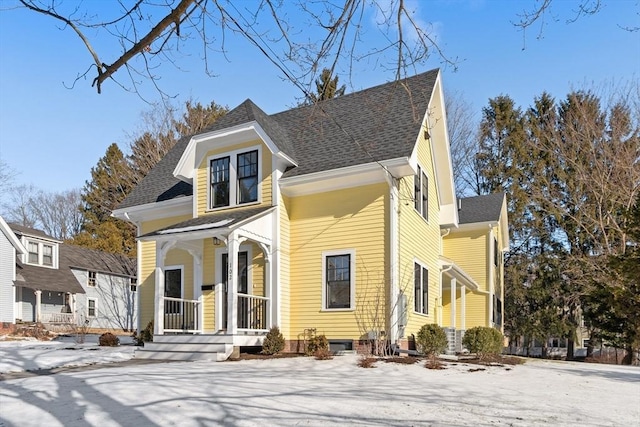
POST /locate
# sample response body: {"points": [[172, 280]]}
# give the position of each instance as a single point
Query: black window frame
{"points": [[420, 288], [220, 179], [246, 172], [338, 265], [421, 193]]}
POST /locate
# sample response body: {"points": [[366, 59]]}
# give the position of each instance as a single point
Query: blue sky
{"points": [[53, 135]]}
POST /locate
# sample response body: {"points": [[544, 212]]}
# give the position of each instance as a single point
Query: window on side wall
{"points": [[496, 254], [91, 278], [133, 282], [234, 179], [421, 193], [339, 280], [92, 307], [421, 289]]}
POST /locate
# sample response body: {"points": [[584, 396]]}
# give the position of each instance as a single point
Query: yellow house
{"points": [[333, 218]]}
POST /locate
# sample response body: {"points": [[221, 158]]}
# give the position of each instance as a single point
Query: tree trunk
{"points": [[570, 349]]}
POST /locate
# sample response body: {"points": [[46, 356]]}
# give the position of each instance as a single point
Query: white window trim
{"points": [[233, 177], [41, 244], [425, 267], [95, 281], [95, 307], [420, 211], [176, 267], [352, 278]]}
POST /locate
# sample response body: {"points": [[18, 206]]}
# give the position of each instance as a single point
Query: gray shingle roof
{"points": [[47, 279], [233, 216], [374, 124], [21, 230], [94, 260], [480, 208]]}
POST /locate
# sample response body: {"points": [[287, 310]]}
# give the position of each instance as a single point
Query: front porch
{"points": [[215, 285]]}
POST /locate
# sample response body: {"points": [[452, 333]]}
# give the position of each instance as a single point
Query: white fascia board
{"points": [[13, 239], [484, 225], [157, 210], [449, 215], [199, 145], [348, 177]]}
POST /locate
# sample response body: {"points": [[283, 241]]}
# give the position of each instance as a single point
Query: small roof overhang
{"points": [[451, 269], [218, 224]]}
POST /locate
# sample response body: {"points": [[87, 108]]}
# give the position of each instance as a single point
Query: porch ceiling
{"points": [[208, 225]]}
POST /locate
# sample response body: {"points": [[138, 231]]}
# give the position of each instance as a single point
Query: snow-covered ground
{"points": [[305, 391]]}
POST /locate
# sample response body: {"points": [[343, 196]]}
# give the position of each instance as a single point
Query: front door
{"points": [[242, 287]]}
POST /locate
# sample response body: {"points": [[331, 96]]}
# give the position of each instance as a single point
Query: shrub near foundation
{"points": [[108, 340], [273, 342], [483, 341], [431, 340]]}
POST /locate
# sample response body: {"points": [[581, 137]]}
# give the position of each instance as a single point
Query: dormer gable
{"points": [[40, 249]]}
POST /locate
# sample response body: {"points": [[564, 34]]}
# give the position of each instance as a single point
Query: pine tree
{"points": [[326, 87]]}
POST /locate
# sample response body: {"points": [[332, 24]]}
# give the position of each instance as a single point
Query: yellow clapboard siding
{"points": [[350, 219]]}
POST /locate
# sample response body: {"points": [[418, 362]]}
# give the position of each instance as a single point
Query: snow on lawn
{"points": [[31, 355], [305, 391]]}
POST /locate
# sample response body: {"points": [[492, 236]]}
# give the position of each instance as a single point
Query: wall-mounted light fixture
{"points": [[427, 135], [216, 241]]}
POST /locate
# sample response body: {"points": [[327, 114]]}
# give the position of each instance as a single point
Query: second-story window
{"points": [[47, 255], [220, 172], [91, 279], [234, 179], [248, 177], [33, 253], [421, 193]]}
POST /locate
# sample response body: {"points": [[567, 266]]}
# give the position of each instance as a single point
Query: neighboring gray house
{"points": [[59, 283], [10, 246]]}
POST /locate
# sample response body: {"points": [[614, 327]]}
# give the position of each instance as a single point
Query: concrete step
{"points": [[194, 339], [188, 347], [179, 355]]}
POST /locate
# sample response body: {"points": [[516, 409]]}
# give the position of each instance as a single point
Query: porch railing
{"points": [[65, 318], [181, 315], [252, 312]]}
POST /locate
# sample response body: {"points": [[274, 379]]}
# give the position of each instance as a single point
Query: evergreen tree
{"points": [[109, 185], [326, 87]]}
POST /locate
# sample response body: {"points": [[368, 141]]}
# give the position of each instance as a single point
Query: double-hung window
{"points": [[421, 289], [33, 253], [92, 307], [339, 280], [421, 193], [234, 179], [91, 278], [47, 255]]}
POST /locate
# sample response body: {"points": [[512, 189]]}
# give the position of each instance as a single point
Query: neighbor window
{"points": [[421, 193], [47, 255], [172, 289], [33, 253], [495, 252], [421, 289], [92, 307], [338, 280], [91, 279], [234, 179], [133, 282]]}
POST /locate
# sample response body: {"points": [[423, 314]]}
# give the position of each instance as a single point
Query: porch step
{"points": [[187, 347]]}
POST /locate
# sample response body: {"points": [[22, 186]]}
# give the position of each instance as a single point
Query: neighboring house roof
{"points": [[47, 279], [90, 259], [28, 231], [372, 125], [11, 237], [481, 208]]}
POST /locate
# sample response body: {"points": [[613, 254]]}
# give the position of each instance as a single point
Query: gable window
{"points": [[234, 179], [91, 278], [33, 253], [338, 280], [133, 283], [421, 289], [172, 289], [47, 255], [248, 177], [421, 193], [220, 182], [92, 307]]}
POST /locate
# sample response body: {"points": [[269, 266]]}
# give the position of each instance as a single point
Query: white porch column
{"points": [[158, 318], [197, 286], [38, 306], [268, 288], [72, 307], [453, 302], [463, 307], [233, 245]]}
